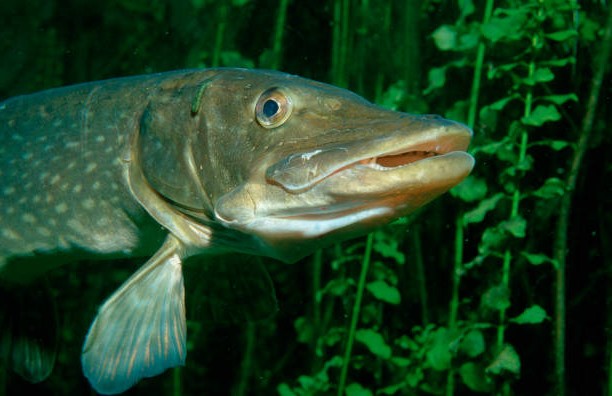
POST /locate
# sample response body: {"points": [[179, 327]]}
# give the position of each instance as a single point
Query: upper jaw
{"points": [[299, 172]]}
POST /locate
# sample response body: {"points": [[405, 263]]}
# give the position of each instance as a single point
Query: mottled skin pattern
{"points": [[178, 164], [62, 184]]}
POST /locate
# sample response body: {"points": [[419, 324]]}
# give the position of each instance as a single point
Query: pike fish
{"points": [[179, 164]]}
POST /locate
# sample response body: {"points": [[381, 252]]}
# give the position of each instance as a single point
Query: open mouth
{"points": [[301, 171], [395, 160]]}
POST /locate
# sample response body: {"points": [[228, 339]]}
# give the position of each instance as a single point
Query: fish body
{"points": [[184, 163]]}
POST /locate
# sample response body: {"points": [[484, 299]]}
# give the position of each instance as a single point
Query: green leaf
{"points": [[492, 238], [392, 389], [553, 144], [516, 226], [532, 315], [335, 287], [562, 35], [496, 298], [356, 389], [589, 29], [375, 342], [486, 205], [538, 259], [506, 27], [437, 79], [559, 62], [466, 8], [400, 361], [474, 377], [473, 344], [438, 355], [236, 59], [445, 37], [500, 104], [384, 292], [553, 187], [493, 147], [285, 390], [542, 74], [507, 361], [471, 189], [388, 246], [542, 114], [559, 144], [304, 330], [560, 99]]}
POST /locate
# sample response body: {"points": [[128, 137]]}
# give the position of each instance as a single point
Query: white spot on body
{"points": [[11, 234], [28, 218], [43, 231], [91, 167], [88, 204], [8, 190], [61, 208]]}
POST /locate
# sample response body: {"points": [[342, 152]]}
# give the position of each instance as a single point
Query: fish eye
{"points": [[273, 108]]}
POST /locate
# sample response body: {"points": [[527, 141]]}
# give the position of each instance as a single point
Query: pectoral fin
{"points": [[140, 330]]}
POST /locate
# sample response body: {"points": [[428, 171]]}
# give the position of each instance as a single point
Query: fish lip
{"points": [[430, 144]]}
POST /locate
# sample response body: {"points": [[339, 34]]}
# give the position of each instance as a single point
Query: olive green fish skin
{"points": [[62, 184]]}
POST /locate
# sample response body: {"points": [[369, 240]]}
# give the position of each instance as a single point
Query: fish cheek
{"points": [[166, 162]]}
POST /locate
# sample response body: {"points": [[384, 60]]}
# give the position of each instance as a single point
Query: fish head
{"points": [[297, 164]]}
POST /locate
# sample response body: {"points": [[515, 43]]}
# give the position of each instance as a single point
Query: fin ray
{"points": [[140, 331]]}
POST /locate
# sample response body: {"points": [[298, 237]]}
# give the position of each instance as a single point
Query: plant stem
{"points": [[177, 384], [560, 250], [277, 46], [216, 58], [247, 361], [475, 92], [340, 42], [317, 326], [458, 260], [355, 315], [421, 277], [454, 306]]}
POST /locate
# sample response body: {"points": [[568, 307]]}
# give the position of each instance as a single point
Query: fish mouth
{"points": [[394, 162]]}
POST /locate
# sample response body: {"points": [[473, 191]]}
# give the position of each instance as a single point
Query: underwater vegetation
{"points": [[501, 287]]}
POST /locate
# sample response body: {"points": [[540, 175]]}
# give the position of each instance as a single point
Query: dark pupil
{"points": [[270, 108]]}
